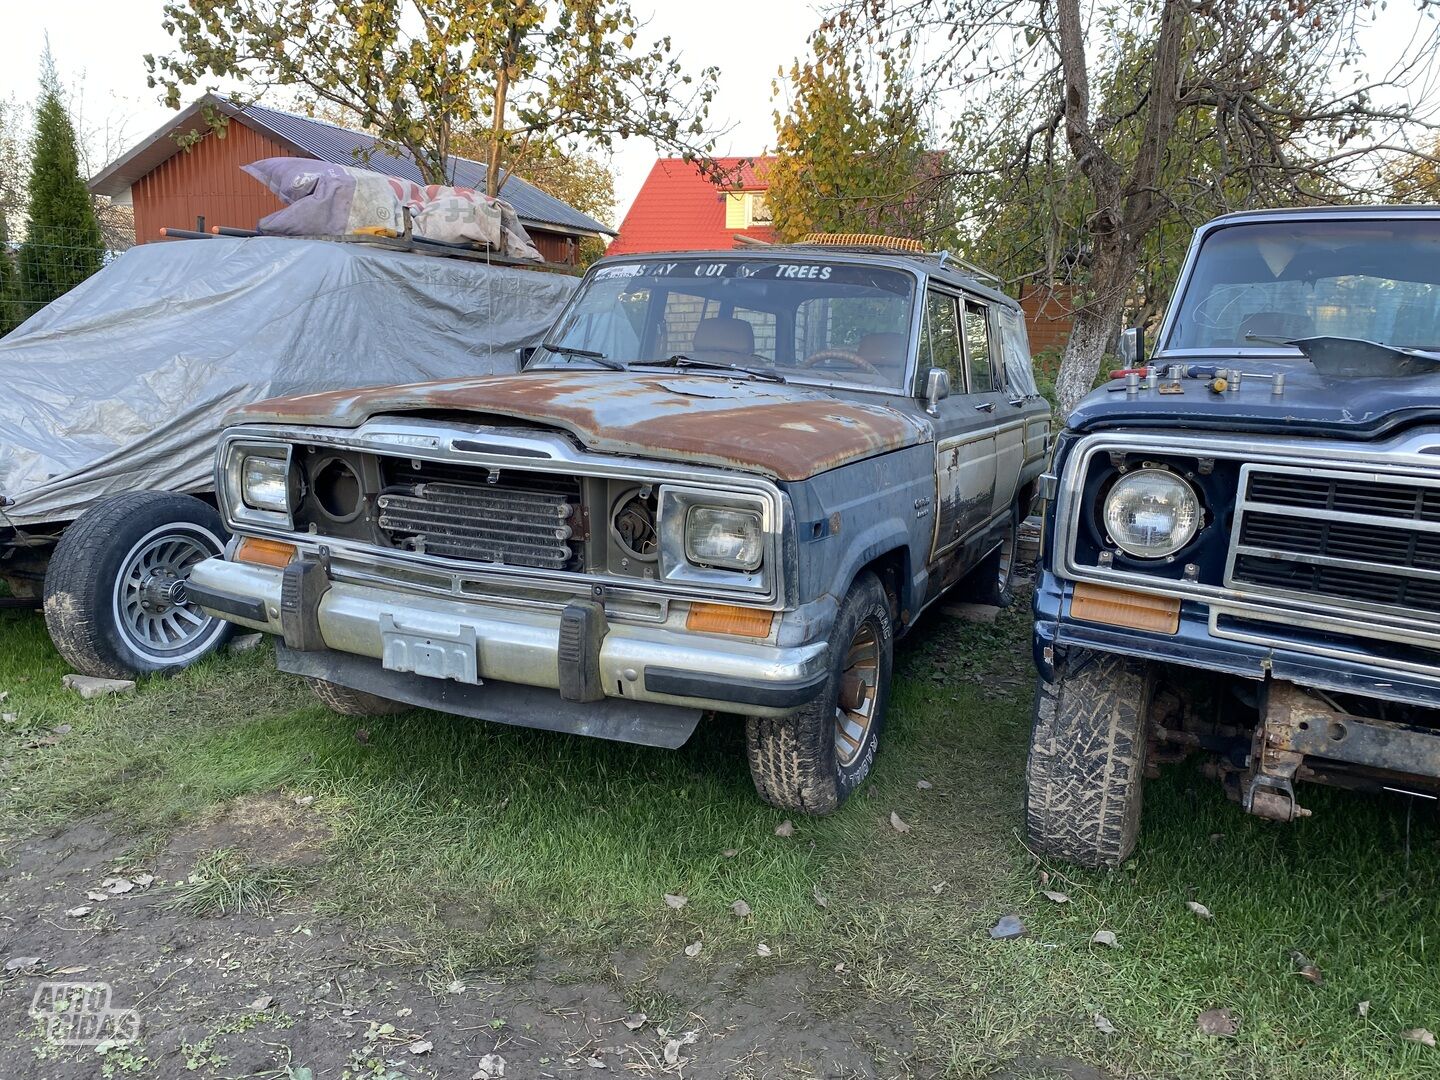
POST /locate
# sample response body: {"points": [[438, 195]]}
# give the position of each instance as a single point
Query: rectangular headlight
{"points": [[724, 536], [265, 483]]}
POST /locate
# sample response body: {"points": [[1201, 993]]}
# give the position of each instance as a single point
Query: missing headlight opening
{"points": [[337, 490], [633, 523]]}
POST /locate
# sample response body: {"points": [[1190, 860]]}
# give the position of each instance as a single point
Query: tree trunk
{"points": [[1096, 323]]}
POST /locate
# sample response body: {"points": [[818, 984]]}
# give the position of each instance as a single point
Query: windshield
{"points": [[1257, 286], [805, 321]]}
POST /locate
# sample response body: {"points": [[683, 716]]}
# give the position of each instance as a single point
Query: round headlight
{"points": [[1151, 513]]}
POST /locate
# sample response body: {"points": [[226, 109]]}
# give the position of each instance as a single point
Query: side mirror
{"points": [[937, 389], [1132, 346], [524, 355]]}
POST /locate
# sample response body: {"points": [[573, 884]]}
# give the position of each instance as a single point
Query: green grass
{"points": [[465, 846]]}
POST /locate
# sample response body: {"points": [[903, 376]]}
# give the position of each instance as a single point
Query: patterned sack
{"points": [[326, 199], [335, 200]]}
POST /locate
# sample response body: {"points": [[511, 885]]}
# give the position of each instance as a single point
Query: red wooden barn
{"points": [[169, 185]]}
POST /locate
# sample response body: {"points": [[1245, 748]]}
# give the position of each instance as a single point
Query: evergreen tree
{"points": [[9, 305], [62, 244]]}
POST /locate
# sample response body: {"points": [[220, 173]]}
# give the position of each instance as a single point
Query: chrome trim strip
{"points": [[1427, 672]]}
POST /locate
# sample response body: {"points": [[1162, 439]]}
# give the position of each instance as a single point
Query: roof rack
{"points": [[969, 267], [418, 245]]}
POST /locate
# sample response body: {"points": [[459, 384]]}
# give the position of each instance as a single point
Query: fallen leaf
{"points": [[635, 1021], [262, 1003], [676, 901], [1105, 1026], [1363, 1009], [79, 912], [1008, 928], [492, 1067], [1423, 1036], [762, 949], [821, 900], [674, 1046], [71, 969], [596, 1063], [693, 949], [144, 880], [420, 1046], [924, 785], [1200, 910], [730, 852], [741, 909], [1218, 1022], [1044, 879], [362, 736], [304, 800], [20, 963], [840, 967], [117, 886], [99, 897], [785, 828], [938, 887], [1057, 897], [897, 824], [62, 729], [1106, 938]]}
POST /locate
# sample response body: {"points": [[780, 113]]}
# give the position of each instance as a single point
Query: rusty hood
{"points": [[783, 431]]}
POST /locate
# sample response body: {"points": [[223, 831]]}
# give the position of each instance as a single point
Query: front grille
{"points": [[522, 519], [1371, 543]]}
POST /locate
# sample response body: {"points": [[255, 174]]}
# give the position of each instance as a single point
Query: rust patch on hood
{"points": [[786, 432]]}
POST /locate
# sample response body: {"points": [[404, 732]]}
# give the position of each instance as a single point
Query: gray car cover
{"points": [[123, 383]]}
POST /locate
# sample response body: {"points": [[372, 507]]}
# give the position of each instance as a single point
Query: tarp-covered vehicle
{"points": [[114, 395]]}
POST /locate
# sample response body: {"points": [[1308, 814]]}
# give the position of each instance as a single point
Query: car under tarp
{"points": [[123, 383]]}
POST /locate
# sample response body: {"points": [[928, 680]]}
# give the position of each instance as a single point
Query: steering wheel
{"points": [[849, 356]]}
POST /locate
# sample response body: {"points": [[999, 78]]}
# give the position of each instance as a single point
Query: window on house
{"points": [[760, 209]]}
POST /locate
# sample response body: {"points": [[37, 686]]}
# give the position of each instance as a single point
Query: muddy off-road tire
{"points": [[812, 760], [115, 601], [1084, 779], [348, 702], [993, 581]]}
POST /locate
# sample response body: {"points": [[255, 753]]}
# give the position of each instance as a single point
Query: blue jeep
{"points": [[1242, 537]]}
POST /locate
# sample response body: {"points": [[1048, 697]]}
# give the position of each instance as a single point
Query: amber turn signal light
{"points": [[727, 619], [1121, 607], [261, 552]]}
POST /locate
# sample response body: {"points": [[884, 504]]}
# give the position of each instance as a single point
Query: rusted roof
{"points": [[785, 432], [679, 208]]}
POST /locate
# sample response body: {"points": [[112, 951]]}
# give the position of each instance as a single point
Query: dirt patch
{"points": [[248, 994], [269, 829]]}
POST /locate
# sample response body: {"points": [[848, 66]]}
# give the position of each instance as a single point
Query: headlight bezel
{"points": [[236, 508], [679, 564], [1132, 550]]}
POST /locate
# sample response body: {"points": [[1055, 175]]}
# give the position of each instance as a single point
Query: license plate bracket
{"points": [[434, 655]]}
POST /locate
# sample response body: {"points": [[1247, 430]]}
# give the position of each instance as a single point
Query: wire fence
{"points": [[43, 267]]}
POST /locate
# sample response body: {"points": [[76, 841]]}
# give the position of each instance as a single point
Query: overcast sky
{"points": [[98, 45]]}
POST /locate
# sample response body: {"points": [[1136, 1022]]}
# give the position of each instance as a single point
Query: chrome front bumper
{"points": [[664, 665]]}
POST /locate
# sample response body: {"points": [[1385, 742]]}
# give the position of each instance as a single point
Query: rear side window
{"points": [[1015, 352]]}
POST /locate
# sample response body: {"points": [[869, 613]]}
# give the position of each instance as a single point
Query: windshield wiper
{"points": [[1269, 340], [584, 354], [682, 360]]}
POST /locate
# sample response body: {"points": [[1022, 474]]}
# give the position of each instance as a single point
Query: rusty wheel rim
{"points": [[859, 690]]}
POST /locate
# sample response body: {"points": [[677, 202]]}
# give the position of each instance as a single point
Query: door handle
{"points": [[985, 406], [1017, 401]]}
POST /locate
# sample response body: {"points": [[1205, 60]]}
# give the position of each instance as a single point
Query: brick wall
{"points": [[1047, 316]]}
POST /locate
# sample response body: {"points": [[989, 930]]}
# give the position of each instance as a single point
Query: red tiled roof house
{"points": [[680, 209]]}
